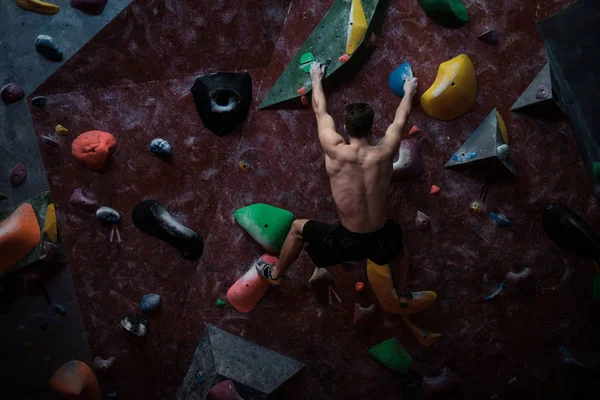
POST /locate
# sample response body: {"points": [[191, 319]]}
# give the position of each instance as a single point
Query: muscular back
{"points": [[360, 178]]}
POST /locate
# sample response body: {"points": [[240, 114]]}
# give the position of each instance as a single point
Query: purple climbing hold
{"points": [[92, 7], [410, 164], [84, 201], [50, 250], [422, 222], [490, 37], [49, 145], [18, 175], [11, 93], [223, 391]]}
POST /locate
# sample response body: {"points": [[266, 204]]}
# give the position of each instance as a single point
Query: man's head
{"points": [[359, 120]]}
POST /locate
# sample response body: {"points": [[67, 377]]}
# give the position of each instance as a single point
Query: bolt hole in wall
{"points": [[453, 83]]}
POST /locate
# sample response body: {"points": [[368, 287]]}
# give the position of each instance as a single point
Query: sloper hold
{"points": [[75, 380], [491, 157], [266, 224], [222, 100], [37, 6], [19, 234], [93, 148], [453, 91], [449, 13], [46, 46], [224, 391], [410, 164], [223, 356], [153, 218], [247, 291], [398, 76], [357, 26], [11, 93], [327, 42], [570, 232], [538, 99], [392, 354]]}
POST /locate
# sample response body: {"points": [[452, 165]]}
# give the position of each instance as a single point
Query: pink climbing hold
{"points": [[250, 288], [414, 130], [410, 164], [11, 93], [435, 189], [344, 58], [224, 390], [302, 90]]}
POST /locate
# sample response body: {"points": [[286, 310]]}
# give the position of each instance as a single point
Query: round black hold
{"points": [[570, 232], [154, 219], [222, 100]]}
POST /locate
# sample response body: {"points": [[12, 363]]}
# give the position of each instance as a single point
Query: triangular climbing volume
{"points": [[486, 152], [268, 225], [338, 33], [538, 99]]}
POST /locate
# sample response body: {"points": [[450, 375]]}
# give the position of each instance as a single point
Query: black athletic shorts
{"points": [[333, 244]]}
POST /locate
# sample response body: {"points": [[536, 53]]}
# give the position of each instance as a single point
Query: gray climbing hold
{"points": [[107, 214], [84, 200], [150, 302], [39, 101], [135, 326], [61, 309], [490, 37], [49, 145], [45, 45], [569, 361], [320, 275], [503, 151], [422, 222], [161, 147], [538, 100], [11, 93], [103, 364]]}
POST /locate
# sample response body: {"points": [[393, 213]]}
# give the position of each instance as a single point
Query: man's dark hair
{"points": [[359, 120]]}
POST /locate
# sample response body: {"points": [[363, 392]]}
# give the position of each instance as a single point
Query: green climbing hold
{"points": [[220, 303], [3, 196], [306, 61], [449, 13], [268, 225], [597, 287], [392, 354], [596, 169]]}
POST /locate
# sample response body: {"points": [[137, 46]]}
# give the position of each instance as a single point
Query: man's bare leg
{"points": [[292, 247], [399, 267]]}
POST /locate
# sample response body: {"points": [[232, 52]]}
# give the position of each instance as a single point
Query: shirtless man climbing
{"points": [[360, 176]]}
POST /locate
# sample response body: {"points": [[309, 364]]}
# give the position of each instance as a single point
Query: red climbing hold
{"points": [[302, 90], [414, 130], [359, 286], [373, 40], [344, 58], [434, 189]]}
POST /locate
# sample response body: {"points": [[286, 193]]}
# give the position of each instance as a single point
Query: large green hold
{"points": [[449, 13], [268, 225], [392, 354], [327, 43]]}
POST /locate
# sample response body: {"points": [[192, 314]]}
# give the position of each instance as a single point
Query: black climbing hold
{"points": [[570, 232], [38, 101], [490, 37], [222, 100], [50, 250], [45, 45], [49, 145], [154, 219], [61, 309], [135, 326]]}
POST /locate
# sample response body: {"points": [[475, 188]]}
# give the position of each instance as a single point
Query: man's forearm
{"points": [[319, 102], [403, 110]]}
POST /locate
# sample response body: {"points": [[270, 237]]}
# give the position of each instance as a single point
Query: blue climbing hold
{"points": [[45, 45], [150, 302], [495, 294], [61, 309], [161, 147], [397, 77], [462, 157], [500, 220]]}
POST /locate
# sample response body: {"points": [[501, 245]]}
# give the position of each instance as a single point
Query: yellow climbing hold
{"points": [[61, 130], [50, 223], [502, 126], [380, 278], [37, 6], [357, 26], [454, 90]]}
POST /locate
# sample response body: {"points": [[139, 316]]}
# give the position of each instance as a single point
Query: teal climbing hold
{"points": [[597, 287], [306, 61], [219, 303], [449, 13], [596, 169], [268, 225], [392, 354]]}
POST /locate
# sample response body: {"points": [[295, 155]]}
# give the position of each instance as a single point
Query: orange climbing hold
{"points": [[93, 148], [359, 286], [250, 288], [414, 130], [302, 90], [19, 234], [435, 189], [75, 380], [344, 58]]}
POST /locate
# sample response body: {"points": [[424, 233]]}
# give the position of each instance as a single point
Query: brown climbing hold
{"points": [[19, 234], [414, 130], [93, 148], [75, 380], [364, 315], [11, 93], [302, 90], [344, 58], [18, 175]]}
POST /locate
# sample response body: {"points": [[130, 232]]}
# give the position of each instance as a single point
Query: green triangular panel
{"points": [[268, 225], [479, 154], [327, 42], [392, 354]]}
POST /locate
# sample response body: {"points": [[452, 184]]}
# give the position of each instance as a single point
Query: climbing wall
{"points": [[133, 80]]}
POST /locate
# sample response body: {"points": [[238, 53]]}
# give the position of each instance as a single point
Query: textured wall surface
{"points": [[133, 80]]}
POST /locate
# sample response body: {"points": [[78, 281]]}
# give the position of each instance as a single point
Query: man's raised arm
{"points": [[393, 135], [328, 136]]}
